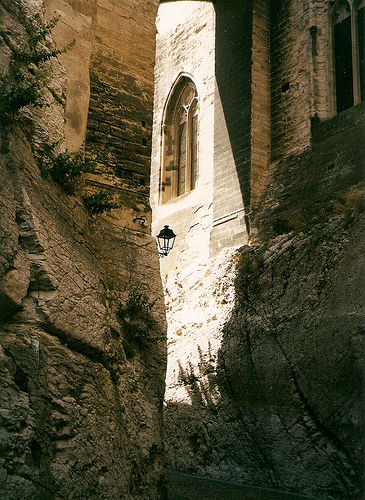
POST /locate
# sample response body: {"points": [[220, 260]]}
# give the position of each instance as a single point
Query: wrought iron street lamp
{"points": [[166, 239]]}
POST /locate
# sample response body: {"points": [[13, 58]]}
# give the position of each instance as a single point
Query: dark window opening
{"points": [[343, 65], [182, 160], [349, 53], [194, 151]]}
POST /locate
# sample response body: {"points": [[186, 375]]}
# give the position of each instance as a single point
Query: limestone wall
{"points": [[80, 407], [265, 346], [279, 403], [299, 91], [265, 379], [185, 44]]}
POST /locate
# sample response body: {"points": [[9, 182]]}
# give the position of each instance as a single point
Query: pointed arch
{"points": [[179, 158]]}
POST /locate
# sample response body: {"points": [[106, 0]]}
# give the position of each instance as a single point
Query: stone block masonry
{"points": [[232, 117], [121, 92], [301, 81], [260, 104], [185, 45], [110, 88]]}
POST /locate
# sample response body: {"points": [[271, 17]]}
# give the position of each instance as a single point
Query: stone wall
{"points": [[265, 346], [280, 404], [121, 89], [301, 72], [110, 87], [81, 404], [265, 379], [185, 44], [260, 105], [232, 123]]}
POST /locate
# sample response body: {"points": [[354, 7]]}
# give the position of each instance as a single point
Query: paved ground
{"points": [[184, 487]]}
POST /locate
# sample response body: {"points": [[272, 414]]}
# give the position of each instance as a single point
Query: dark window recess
{"points": [[343, 65], [143, 123], [180, 145], [285, 87], [144, 142], [182, 159], [194, 151], [361, 28]]}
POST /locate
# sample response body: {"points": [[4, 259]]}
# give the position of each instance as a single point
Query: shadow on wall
{"points": [[233, 95], [282, 407]]}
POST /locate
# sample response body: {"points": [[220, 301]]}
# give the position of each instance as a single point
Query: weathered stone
{"points": [[265, 372], [270, 392], [80, 411]]}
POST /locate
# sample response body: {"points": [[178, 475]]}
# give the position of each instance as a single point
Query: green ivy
{"points": [[138, 324], [99, 203], [64, 168]]}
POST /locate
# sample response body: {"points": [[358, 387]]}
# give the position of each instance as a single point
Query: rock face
{"points": [[265, 373], [80, 406], [265, 381], [273, 395]]}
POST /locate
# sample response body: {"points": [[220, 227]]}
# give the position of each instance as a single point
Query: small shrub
{"points": [[36, 51], [138, 324], [249, 268], [250, 263], [17, 92], [99, 203], [22, 84], [65, 168], [137, 303], [351, 204]]}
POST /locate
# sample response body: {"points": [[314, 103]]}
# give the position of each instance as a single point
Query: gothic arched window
{"points": [[180, 141], [348, 19]]}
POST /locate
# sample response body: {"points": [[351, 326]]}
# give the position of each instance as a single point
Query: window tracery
{"points": [[180, 141]]}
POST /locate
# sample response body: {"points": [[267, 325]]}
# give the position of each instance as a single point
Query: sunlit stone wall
{"points": [[185, 44]]}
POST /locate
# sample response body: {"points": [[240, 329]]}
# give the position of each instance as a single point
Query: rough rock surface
{"points": [[78, 418], [274, 396]]}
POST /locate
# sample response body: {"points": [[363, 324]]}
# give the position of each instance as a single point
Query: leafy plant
{"points": [[65, 168], [249, 269], [17, 92], [138, 324], [99, 203], [351, 204], [137, 303], [25, 79]]}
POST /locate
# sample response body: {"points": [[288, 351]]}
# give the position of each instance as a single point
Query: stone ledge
{"points": [[342, 122]]}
